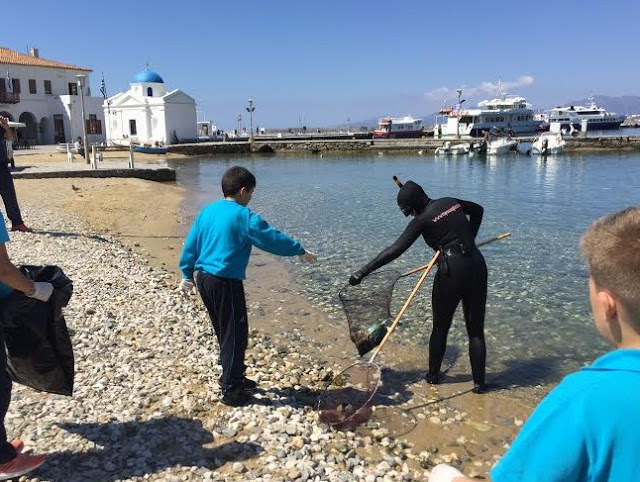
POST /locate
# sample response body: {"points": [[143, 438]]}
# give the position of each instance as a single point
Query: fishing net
{"points": [[367, 308], [345, 401]]}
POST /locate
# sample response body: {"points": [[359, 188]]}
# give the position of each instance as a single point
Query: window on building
{"points": [[133, 131], [16, 85], [47, 87], [73, 88], [32, 86], [94, 125], [149, 92]]}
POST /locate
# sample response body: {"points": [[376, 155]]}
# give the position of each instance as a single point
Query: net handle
{"points": [[483, 243], [427, 268]]}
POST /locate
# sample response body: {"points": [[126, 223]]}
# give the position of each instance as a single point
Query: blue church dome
{"points": [[147, 76]]}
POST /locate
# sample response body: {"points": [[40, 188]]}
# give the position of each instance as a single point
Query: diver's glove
{"points": [[356, 278]]}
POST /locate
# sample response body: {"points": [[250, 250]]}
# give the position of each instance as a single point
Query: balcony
{"points": [[9, 98]]}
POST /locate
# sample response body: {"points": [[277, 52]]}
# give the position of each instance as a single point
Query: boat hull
{"points": [[498, 148], [150, 150], [397, 135]]}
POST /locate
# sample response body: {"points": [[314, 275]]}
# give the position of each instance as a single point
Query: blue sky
{"points": [[320, 63]]}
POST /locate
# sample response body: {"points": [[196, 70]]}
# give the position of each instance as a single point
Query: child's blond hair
{"points": [[611, 248]]}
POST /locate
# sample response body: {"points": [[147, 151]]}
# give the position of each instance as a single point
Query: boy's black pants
{"points": [[227, 307]]}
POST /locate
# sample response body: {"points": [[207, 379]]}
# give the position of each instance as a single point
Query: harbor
{"points": [[346, 142]]}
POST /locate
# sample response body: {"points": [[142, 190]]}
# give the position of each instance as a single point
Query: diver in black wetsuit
{"points": [[461, 275]]}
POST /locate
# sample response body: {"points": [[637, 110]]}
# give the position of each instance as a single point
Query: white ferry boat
{"points": [[397, 127], [508, 113], [597, 118]]}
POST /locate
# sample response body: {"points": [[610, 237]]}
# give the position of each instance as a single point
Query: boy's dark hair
{"points": [[235, 179], [611, 247]]}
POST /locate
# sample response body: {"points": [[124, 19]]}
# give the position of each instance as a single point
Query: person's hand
{"points": [[308, 257], [42, 291], [187, 287], [444, 473], [4, 122]]}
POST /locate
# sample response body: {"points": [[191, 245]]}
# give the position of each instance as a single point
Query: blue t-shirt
{"points": [[4, 237], [221, 238], [586, 429]]}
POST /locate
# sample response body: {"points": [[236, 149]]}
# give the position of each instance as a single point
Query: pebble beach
{"points": [[145, 404]]}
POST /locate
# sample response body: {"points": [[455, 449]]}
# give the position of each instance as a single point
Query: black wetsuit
{"points": [[461, 275]]}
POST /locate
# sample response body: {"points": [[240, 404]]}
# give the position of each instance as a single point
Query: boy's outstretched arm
{"points": [[271, 240]]}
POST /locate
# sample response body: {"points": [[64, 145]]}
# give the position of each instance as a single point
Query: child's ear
{"points": [[609, 305]]}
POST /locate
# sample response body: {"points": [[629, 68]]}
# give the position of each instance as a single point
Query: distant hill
{"points": [[626, 104]]}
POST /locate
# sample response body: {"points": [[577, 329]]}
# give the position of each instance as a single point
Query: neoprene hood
{"points": [[412, 197]]}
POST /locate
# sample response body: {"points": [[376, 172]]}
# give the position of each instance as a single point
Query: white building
{"points": [[46, 98], [148, 114]]}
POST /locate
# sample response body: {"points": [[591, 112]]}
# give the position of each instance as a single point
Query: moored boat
{"points": [[501, 145], [596, 118], [548, 143], [510, 113], [449, 149], [398, 127], [150, 150]]}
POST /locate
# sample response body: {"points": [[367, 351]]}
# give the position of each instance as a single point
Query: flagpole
{"points": [[81, 79]]}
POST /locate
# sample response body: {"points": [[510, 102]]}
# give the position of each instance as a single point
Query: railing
{"points": [[9, 98]]}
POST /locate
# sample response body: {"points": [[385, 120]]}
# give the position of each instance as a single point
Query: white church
{"points": [[147, 114]]}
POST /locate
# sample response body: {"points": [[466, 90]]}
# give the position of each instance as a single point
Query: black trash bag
{"points": [[39, 350]]}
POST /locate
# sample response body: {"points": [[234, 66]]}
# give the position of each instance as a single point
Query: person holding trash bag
{"points": [[215, 256], [13, 463], [450, 226]]}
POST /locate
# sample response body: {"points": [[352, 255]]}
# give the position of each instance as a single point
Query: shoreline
{"points": [[451, 424]]}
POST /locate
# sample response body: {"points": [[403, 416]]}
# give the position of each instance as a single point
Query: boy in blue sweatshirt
{"points": [[586, 429], [217, 249]]}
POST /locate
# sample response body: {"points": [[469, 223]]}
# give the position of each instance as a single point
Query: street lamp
{"points": [[81, 78], [459, 109], [250, 110]]}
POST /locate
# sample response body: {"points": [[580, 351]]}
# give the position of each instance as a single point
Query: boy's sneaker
{"points": [[236, 397], [21, 227], [249, 384], [22, 464], [246, 383]]}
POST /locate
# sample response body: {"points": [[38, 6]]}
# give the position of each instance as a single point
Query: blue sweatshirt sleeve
{"points": [[271, 240], [190, 251]]}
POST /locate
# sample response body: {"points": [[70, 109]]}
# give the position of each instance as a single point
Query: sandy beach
{"points": [[419, 425]]}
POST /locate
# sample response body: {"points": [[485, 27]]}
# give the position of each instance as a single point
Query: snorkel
{"points": [[411, 197]]}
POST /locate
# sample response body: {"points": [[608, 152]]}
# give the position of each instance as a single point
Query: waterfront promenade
{"points": [[425, 145]]}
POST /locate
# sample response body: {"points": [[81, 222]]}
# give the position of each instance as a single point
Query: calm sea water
{"points": [[343, 208]]}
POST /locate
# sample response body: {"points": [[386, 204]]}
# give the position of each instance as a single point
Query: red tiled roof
{"points": [[8, 56]]}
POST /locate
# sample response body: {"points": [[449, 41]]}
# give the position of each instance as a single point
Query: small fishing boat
{"points": [[501, 145], [150, 150], [449, 149], [548, 143]]}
